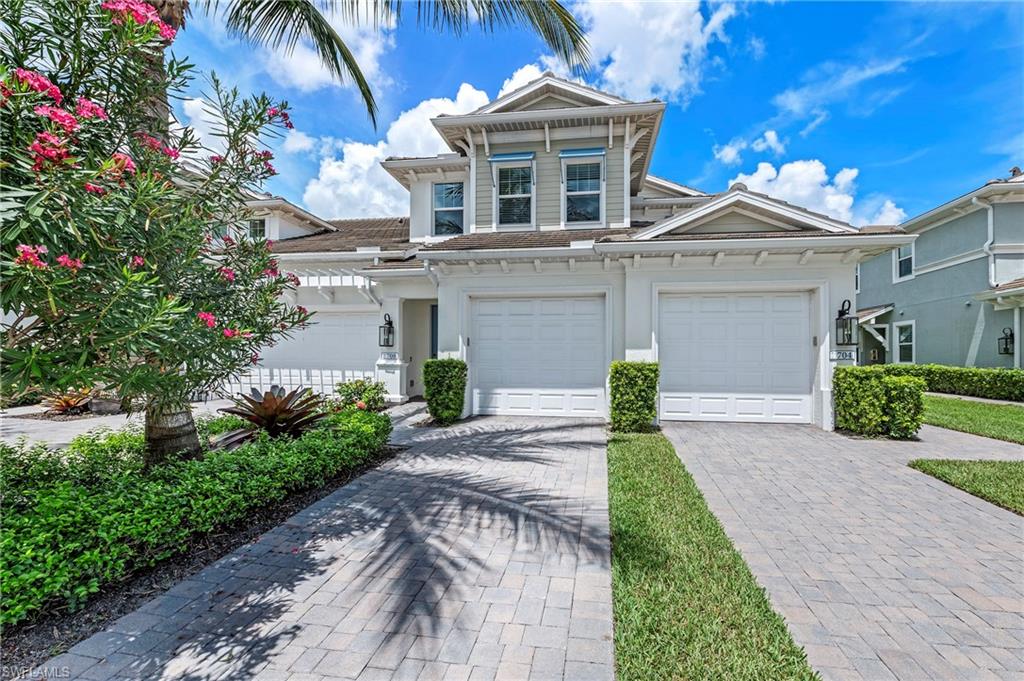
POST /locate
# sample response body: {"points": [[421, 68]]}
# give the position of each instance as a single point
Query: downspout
{"points": [[430, 273], [987, 247]]}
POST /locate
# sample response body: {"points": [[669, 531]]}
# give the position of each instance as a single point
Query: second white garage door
{"points": [[735, 357], [340, 345], [538, 356]]}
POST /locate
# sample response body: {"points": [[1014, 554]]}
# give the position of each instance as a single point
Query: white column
{"points": [[1016, 337], [391, 367]]}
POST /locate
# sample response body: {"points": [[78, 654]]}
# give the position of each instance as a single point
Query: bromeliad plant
{"points": [[69, 402], [275, 412], [113, 272]]}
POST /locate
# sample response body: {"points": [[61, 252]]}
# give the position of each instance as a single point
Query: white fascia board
{"points": [[676, 221], [561, 84], [393, 274], [669, 185], [767, 244], [540, 115], [962, 203], [288, 206], [510, 253], [876, 314], [431, 162]]}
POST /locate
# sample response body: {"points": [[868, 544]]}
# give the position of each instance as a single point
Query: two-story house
{"points": [[540, 248], [954, 295]]}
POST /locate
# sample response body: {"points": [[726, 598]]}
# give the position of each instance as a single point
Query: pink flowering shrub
{"points": [[140, 299]]}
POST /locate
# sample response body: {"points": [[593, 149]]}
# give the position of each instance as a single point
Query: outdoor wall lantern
{"points": [[1006, 342], [387, 333], [846, 325]]}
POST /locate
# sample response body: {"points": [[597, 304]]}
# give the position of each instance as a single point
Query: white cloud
{"points": [[353, 184], [297, 142], [521, 77], [806, 184], [889, 214], [756, 47], [206, 122], [643, 50], [832, 82], [729, 154], [769, 141]]}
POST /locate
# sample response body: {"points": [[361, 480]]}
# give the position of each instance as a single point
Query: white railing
{"points": [[321, 381]]}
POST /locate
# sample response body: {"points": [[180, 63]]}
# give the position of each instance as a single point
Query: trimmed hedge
{"points": [[994, 384], [634, 395], [78, 519], [371, 393], [444, 388], [870, 402]]}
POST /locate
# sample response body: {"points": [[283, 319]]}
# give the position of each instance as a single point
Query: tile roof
{"points": [[868, 313], [1010, 285], [390, 234], [561, 238]]}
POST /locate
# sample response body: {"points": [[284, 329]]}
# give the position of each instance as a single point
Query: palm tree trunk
{"points": [[170, 431]]}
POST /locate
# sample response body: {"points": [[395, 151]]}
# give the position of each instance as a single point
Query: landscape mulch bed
{"points": [[47, 416], [29, 644]]}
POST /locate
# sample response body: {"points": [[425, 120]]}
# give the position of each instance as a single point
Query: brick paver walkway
{"points": [[482, 552], [880, 571]]}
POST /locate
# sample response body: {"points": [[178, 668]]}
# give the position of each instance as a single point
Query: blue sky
{"points": [[867, 111]]}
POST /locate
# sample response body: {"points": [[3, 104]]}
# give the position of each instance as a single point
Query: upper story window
{"points": [[515, 195], [257, 229], [583, 192], [448, 208], [903, 263]]}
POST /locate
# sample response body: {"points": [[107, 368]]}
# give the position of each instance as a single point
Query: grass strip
{"points": [[1000, 482], [999, 421], [686, 604]]}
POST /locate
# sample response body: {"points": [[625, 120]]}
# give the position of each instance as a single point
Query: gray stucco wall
{"points": [[950, 326]]}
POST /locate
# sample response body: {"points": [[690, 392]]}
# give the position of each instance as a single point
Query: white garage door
{"points": [[337, 346], [538, 356], [735, 357]]}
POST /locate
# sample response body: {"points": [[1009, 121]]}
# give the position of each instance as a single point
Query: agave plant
{"points": [[278, 413], [71, 402]]}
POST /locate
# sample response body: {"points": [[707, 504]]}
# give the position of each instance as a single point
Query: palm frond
{"points": [[281, 24]]}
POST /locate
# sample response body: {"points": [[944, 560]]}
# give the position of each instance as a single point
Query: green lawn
{"points": [[1001, 482], [1001, 421], [686, 605]]}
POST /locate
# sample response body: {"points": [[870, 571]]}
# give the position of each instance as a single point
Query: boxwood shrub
{"points": [[634, 395], [87, 516], [870, 402], [994, 384], [444, 387]]}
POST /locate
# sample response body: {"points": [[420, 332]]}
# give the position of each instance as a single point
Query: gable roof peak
{"points": [[574, 93]]}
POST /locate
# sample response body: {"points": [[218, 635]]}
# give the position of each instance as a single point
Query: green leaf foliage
{"points": [[634, 395], [870, 402], [444, 387], [78, 519], [993, 384]]}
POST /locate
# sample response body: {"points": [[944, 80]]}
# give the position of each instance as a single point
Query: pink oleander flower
{"points": [[270, 272], [230, 333], [140, 12], [269, 244], [360, 405], [216, 158], [48, 148], [273, 111], [302, 309], [29, 256], [59, 116], [208, 319], [292, 278], [227, 273], [94, 189], [73, 264], [137, 261], [269, 168], [39, 83], [247, 334], [255, 357], [264, 155], [170, 152], [86, 108], [123, 163], [148, 141]]}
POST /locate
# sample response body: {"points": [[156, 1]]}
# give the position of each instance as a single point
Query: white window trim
{"points": [[582, 160], [896, 278], [433, 204], [894, 342], [532, 165], [856, 278]]}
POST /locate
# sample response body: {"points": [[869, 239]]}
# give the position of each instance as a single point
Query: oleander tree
{"points": [[115, 275]]}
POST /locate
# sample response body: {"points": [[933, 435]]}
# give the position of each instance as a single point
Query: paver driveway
{"points": [[880, 571], [481, 552]]}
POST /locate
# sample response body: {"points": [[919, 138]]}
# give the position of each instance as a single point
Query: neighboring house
{"points": [[540, 249], [954, 295]]}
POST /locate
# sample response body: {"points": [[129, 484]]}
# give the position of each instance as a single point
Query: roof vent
{"points": [[738, 187]]}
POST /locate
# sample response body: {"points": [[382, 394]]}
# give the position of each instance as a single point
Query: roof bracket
{"points": [[717, 260], [850, 256], [805, 256], [760, 258], [472, 266], [677, 259], [536, 265], [504, 265]]}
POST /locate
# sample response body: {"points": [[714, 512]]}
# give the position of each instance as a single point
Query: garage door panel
{"points": [[550, 358], [735, 357], [340, 342]]}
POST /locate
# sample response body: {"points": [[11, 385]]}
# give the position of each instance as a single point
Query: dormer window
{"points": [[448, 208], [257, 229], [515, 196]]}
